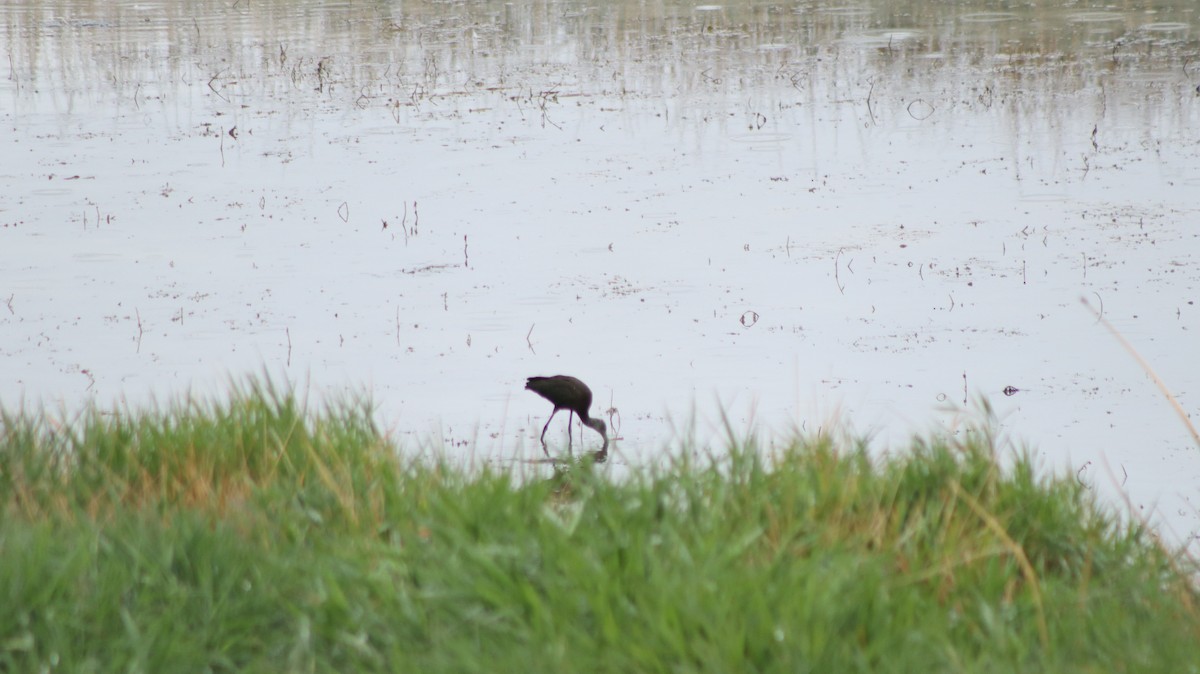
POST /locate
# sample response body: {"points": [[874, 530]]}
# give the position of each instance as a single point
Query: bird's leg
{"points": [[547, 452], [570, 417]]}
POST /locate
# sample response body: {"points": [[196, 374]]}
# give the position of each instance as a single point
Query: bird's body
{"points": [[568, 393]]}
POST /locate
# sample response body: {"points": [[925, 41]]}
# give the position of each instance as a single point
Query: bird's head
{"points": [[598, 426]]}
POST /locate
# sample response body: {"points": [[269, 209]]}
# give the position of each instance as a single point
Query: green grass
{"points": [[254, 535]]}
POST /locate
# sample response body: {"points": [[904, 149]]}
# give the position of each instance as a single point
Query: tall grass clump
{"points": [[196, 454], [255, 535]]}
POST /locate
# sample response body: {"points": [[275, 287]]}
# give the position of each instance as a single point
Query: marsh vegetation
{"points": [[253, 535]]}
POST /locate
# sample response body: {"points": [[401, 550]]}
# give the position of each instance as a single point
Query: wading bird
{"points": [[568, 393]]}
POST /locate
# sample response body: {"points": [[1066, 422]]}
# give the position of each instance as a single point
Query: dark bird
{"points": [[568, 393]]}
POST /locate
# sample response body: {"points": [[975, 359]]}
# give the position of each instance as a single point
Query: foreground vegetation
{"points": [[253, 536]]}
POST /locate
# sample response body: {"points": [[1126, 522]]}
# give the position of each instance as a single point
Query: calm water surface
{"points": [[807, 214]]}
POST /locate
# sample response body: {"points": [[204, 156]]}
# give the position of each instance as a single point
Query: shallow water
{"points": [[805, 214]]}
